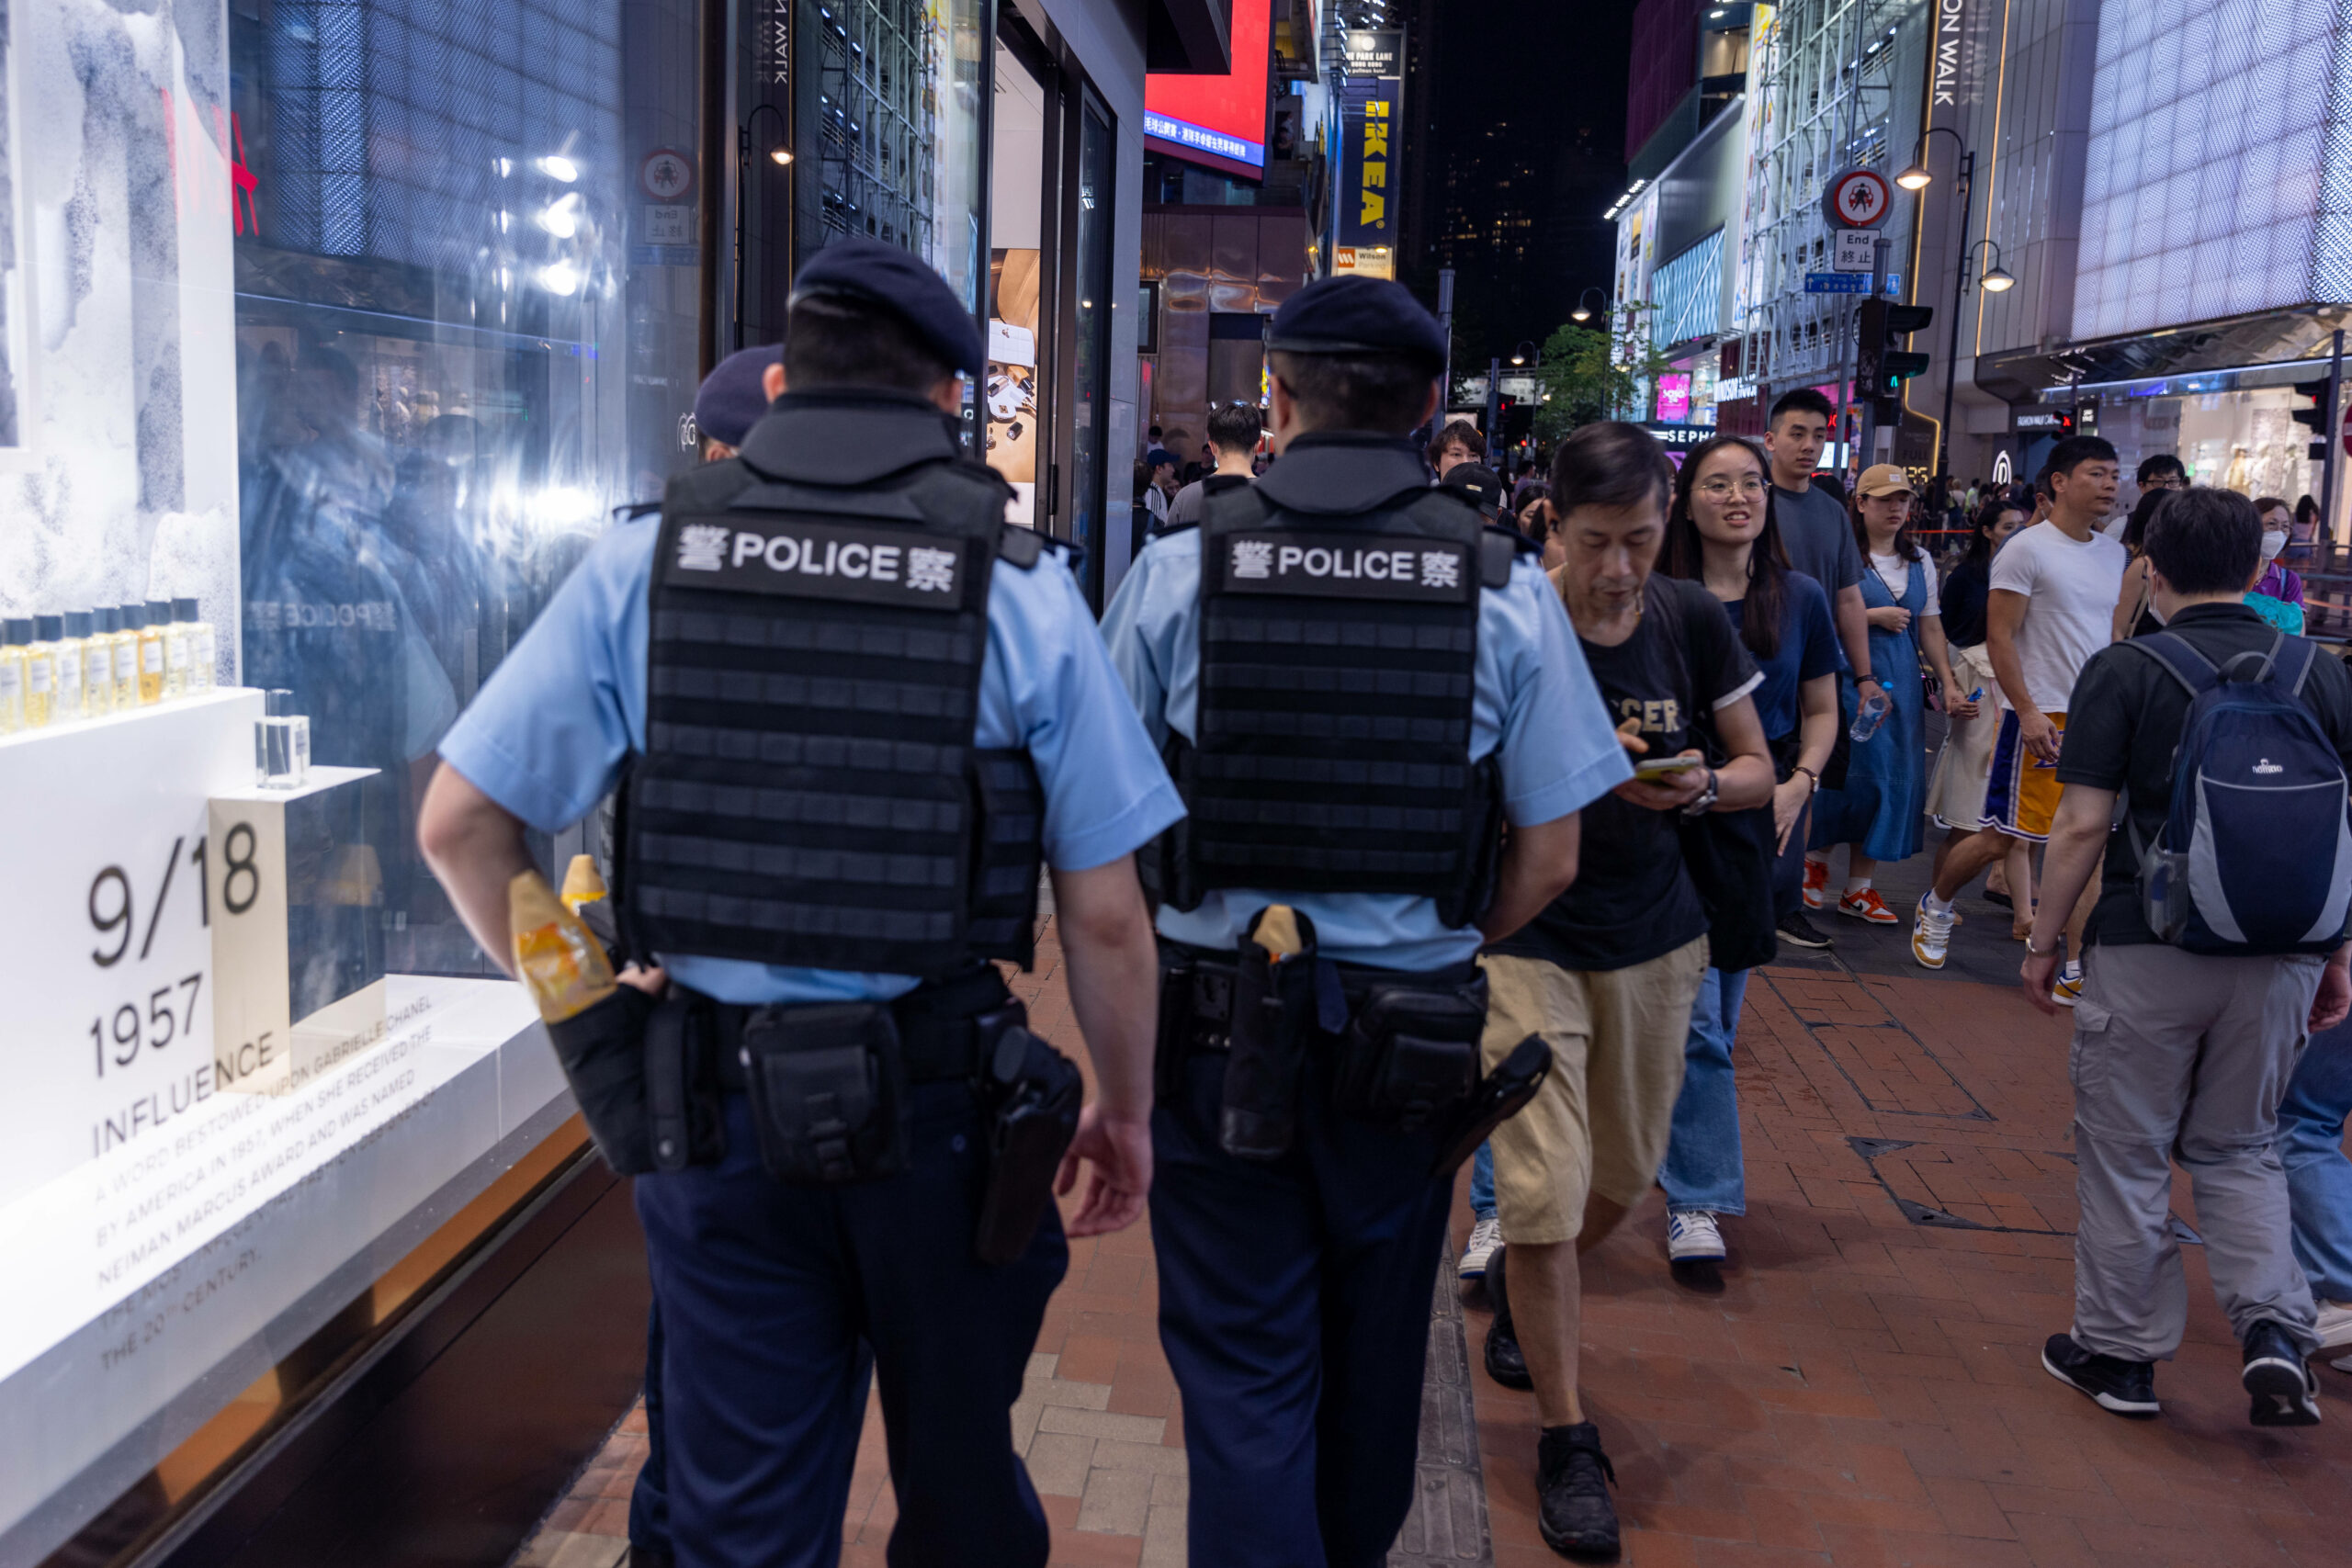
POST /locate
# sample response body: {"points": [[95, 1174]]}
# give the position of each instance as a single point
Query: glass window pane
{"points": [[1097, 149], [465, 327]]}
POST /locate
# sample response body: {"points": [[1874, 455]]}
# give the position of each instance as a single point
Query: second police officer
{"points": [[1356, 685], [853, 709]]}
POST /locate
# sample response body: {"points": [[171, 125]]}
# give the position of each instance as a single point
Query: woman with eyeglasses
{"points": [[1721, 534], [1880, 812]]}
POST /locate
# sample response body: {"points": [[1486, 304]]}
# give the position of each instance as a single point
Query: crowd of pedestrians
{"points": [[1465, 809], [1741, 614]]}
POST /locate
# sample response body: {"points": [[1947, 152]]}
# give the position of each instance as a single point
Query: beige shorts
{"points": [[1600, 1121]]}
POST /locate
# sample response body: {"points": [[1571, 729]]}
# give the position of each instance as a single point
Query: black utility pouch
{"points": [[602, 1052], [1174, 1043], [829, 1092], [1273, 1005], [1033, 1091], [1500, 1096], [1410, 1058]]}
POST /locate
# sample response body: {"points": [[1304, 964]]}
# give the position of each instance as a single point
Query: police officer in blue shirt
{"points": [[854, 709], [1356, 684]]}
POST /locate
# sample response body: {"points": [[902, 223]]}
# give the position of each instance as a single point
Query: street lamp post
{"points": [[1916, 179], [780, 155], [1583, 312]]}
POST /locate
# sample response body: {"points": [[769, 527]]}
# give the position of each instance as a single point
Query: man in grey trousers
{"points": [[2178, 1056]]}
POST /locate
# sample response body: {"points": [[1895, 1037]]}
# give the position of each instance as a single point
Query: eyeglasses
{"points": [[2165, 481], [1748, 488]]}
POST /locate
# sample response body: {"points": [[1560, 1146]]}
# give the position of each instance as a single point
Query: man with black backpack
{"points": [[2216, 945]]}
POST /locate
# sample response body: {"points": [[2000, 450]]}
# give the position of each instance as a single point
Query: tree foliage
{"points": [[1591, 372]]}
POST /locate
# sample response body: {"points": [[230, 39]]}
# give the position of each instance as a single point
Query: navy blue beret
{"points": [[731, 398], [902, 283], [1353, 314]]}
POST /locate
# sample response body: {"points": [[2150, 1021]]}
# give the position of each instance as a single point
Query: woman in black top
{"points": [[1956, 792], [2135, 608]]}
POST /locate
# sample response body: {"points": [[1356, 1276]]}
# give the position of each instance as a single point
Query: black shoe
{"points": [[1704, 1275], [2003, 899], [1798, 931], [2286, 1394], [2128, 1388], [1572, 1482], [1506, 1362]]}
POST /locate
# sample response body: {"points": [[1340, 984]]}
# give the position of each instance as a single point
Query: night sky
{"points": [[1527, 151]]}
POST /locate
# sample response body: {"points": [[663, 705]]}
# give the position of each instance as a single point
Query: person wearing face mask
{"points": [[2276, 594]]}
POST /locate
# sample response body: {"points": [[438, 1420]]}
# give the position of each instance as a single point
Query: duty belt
{"points": [[946, 1029], [1199, 981]]}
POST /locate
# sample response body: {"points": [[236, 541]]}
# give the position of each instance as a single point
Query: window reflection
{"points": [[454, 357]]}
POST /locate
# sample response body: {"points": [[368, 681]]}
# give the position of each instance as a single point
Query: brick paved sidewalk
{"points": [[1866, 1391]]}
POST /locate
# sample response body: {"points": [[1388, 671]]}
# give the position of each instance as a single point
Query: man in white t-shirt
{"points": [[2051, 605]]}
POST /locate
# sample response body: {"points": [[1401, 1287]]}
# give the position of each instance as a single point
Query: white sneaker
{"points": [[1693, 1234], [1485, 1237], [2335, 1327], [1930, 936]]}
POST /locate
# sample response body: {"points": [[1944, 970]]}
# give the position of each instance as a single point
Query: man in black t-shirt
{"points": [[2178, 1055], [1607, 973]]}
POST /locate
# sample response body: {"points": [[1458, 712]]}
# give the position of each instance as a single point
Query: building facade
{"points": [[356, 323]]}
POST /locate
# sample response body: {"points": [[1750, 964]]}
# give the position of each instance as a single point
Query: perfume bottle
{"points": [[72, 687], [14, 633], [122, 631], [97, 661], [40, 671], [174, 636], [281, 744], [201, 649], [149, 624]]}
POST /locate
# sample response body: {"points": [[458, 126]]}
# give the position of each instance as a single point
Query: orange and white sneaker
{"points": [[1868, 906], [1932, 936], [1816, 883]]}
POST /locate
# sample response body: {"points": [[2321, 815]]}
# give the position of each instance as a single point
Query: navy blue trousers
{"points": [[766, 1291], [1294, 1302]]}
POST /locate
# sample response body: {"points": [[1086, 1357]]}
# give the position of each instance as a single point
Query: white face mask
{"points": [[2273, 541]]}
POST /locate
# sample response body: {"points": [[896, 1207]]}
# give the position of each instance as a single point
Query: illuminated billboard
{"points": [[1218, 121]]}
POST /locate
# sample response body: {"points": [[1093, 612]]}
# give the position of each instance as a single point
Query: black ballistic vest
{"points": [[1338, 663], [809, 793]]}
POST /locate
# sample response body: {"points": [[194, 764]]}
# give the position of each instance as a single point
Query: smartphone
{"points": [[1664, 768]]}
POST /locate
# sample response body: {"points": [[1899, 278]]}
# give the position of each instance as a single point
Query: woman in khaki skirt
{"points": [[1956, 790]]}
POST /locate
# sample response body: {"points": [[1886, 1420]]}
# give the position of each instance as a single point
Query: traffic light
{"points": [[2319, 416], [1881, 369]]}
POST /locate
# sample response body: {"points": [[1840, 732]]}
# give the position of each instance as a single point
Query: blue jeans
{"points": [[1482, 1183], [2319, 1178], [1702, 1168]]}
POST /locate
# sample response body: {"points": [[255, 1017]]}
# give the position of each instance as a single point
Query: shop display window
{"points": [[353, 322]]}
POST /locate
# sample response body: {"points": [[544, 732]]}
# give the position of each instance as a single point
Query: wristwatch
{"points": [[2033, 951], [1813, 778], [1706, 800]]}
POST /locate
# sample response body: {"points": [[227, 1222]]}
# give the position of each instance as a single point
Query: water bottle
{"points": [[1870, 712]]}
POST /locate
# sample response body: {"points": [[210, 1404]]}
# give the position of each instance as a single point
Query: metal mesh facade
{"points": [[2203, 185], [391, 117]]}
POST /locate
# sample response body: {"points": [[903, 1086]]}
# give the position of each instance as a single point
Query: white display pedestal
{"points": [[169, 1238]]}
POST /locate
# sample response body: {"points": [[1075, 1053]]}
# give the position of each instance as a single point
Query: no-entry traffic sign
{"points": [[1858, 198]]}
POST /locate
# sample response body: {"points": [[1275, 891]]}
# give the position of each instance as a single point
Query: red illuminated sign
{"points": [[1220, 122]]}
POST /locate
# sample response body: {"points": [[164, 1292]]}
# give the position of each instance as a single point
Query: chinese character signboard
{"points": [[1370, 116]]}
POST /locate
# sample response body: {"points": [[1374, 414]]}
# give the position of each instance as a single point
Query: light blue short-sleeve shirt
{"points": [[1534, 700], [547, 734]]}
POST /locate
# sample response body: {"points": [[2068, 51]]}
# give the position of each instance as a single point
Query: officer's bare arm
{"points": [[1539, 863], [1113, 978], [475, 847], [1114, 991]]}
